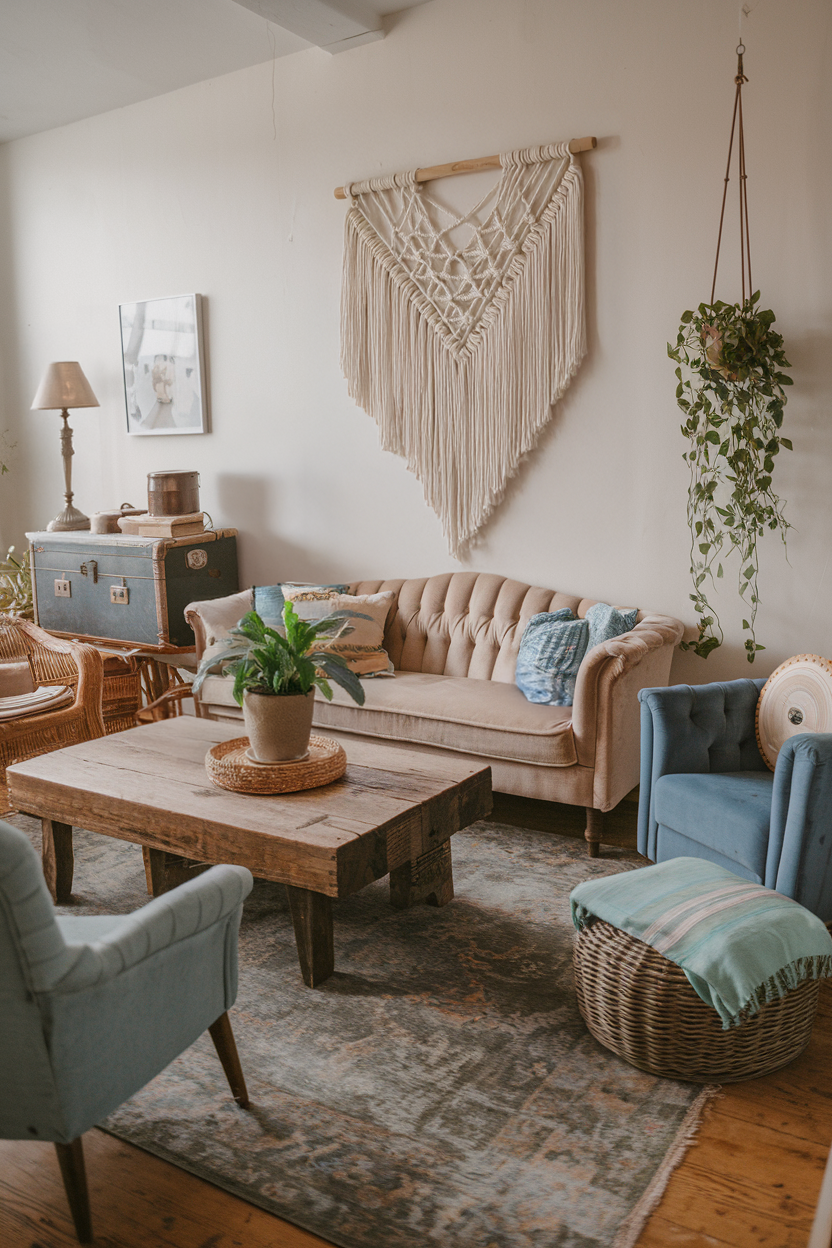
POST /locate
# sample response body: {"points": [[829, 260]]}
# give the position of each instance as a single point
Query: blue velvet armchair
{"points": [[705, 791], [91, 1008]]}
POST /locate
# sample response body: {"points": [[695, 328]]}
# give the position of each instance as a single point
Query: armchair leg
{"points": [[71, 1161], [594, 830], [224, 1043]]}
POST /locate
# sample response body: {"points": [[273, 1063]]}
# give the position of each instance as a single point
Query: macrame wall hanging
{"points": [[459, 333]]}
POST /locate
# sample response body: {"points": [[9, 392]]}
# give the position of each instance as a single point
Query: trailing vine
{"points": [[730, 376]]}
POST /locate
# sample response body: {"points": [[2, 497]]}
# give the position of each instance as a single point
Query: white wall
{"points": [[216, 189]]}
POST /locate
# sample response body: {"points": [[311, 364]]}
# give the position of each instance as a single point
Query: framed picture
{"points": [[164, 379]]}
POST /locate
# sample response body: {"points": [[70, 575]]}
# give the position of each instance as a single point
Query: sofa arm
{"points": [[688, 729], [799, 858], [212, 620], [185, 911], [605, 711]]}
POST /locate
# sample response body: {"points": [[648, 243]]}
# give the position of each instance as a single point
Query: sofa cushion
{"points": [[483, 717], [728, 813]]}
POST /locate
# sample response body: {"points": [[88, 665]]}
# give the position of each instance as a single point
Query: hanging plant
{"points": [[729, 369], [732, 395]]}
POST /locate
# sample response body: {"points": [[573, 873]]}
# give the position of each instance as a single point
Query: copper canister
{"points": [[172, 493]]}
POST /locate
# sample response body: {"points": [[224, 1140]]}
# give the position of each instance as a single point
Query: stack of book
{"points": [[163, 526]]}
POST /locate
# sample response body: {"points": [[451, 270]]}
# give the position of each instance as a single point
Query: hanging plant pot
{"points": [[729, 369], [278, 725], [712, 346]]}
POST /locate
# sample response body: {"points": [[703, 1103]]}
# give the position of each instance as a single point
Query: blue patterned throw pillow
{"points": [[551, 651], [606, 622]]}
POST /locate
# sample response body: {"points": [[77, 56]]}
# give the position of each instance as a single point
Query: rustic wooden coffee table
{"points": [[394, 813]]}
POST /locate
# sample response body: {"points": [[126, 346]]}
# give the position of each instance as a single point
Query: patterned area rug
{"points": [[439, 1089]]}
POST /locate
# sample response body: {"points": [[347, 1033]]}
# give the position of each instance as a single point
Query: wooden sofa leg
{"points": [[71, 1161], [594, 829]]}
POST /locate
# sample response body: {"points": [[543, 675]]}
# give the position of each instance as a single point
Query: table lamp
{"points": [[63, 386]]}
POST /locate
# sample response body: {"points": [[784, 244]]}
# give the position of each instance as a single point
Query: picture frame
{"points": [[163, 362]]}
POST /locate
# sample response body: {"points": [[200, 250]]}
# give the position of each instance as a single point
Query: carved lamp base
{"points": [[68, 521]]}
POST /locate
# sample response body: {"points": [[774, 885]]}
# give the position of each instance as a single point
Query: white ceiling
{"points": [[61, 60]]}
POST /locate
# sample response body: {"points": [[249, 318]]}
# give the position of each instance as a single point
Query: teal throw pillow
{"points": [[606, 622], [551, 651]]}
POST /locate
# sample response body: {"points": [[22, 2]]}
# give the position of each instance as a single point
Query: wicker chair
{"points": [[50, 661]]}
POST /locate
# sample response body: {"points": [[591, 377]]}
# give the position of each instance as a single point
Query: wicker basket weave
{"points": [[640, 1005], [228, 765]]}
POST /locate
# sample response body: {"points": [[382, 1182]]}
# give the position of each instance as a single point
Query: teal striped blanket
{"points": [[739, 944]]}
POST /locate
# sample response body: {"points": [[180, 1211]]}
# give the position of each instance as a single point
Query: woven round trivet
{"points": [[229, 768], [797, 697]]}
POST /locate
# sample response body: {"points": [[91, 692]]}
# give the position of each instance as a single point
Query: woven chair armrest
{"points": [[193, 907], [90, 666], [152, 712]]}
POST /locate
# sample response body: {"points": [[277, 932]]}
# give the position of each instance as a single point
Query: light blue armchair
{"points": [[705, 791], [91, 1008]]}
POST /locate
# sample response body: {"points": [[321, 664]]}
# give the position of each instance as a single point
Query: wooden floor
{"points": [[752, 1179]]}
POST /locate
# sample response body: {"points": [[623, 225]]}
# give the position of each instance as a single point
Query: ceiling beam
{"points": [[334, 25]]}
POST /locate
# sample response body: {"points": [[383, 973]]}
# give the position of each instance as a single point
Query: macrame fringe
{"points": [[464, 418]]}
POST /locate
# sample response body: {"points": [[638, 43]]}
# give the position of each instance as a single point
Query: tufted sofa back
{"points": [[463, 623]]}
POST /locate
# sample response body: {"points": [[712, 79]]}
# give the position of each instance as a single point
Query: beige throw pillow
{"points": [[363, 648]]}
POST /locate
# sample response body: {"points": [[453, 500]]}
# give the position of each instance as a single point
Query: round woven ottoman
{"points": [[640, 1005]]}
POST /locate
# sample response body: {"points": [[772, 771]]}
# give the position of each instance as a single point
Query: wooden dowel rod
{"points": [[475, 166]]}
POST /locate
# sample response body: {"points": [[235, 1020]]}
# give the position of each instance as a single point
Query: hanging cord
{"points": [[745, 240]]}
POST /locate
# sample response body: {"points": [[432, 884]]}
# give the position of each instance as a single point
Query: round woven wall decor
{"points": [[229, 767], [797, 697]]}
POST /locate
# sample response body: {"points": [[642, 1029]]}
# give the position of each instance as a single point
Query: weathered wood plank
{"points": [[58, 859], [312, 921], [138, 1201], [168, 870], [188, 795], [427, 879]]}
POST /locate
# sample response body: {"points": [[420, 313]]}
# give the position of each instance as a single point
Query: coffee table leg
{"points": [[169, 870], [428, 879], [58, 859], [312, 919]]}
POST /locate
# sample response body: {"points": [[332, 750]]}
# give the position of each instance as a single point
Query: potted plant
{"points": [[731, 393], [275, 677]]}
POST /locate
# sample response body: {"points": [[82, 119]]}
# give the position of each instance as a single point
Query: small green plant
{"points": [[730, 388], [16, 586], [263, 660]]}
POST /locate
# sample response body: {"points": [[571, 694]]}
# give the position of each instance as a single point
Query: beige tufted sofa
{"points": [[453, 640]]}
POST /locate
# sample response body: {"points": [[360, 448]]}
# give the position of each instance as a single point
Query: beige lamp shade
{"points": [[64, 385]]}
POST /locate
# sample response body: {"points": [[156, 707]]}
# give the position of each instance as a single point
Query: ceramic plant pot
{"points": [[278, 725]]}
